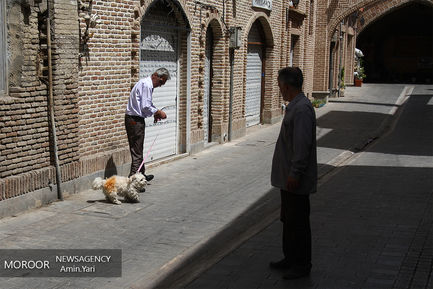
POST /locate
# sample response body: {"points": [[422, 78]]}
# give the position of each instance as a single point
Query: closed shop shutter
{"points": [[253, 85], [254, 76], [159, 48]]}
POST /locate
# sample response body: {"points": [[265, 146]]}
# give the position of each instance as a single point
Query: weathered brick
{"points": [[90, 93]]}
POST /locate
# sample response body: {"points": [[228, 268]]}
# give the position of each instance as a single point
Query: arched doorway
{"points": [[335, 63], [208, 83], [397, 46], [214, 76], [163, 34], [255, 74]]}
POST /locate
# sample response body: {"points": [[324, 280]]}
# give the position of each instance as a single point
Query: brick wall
{"points": [[24, 146], [329, 16], [377, 9], [95, 68], [25, 163], [65, 79], [321, 52], [105, 77]]}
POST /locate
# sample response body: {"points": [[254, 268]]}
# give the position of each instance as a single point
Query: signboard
{"points": [[265, 4]]}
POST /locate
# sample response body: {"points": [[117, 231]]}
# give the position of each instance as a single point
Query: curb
{"points": [[388, 123], [191, 263]]}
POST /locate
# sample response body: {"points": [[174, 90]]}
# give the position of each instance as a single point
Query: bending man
{"points": [[139, 107]]}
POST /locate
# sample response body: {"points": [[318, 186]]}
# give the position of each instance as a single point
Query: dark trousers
{"points": [[135, 128], [295, 215]]}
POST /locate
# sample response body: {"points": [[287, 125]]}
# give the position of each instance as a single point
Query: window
{"points": [[294, 51], [3, 55]]}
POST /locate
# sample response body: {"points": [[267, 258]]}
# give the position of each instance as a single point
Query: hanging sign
{"points": [[265, 4]]}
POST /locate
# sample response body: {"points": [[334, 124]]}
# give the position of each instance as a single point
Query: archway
{"points": [[397, 46], [258, 70], [213, 96], [163, 39], [208, 80], [255, 73]]}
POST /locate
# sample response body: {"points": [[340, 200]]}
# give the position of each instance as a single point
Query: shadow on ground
{"points": [[344, 123], [370, 224]]}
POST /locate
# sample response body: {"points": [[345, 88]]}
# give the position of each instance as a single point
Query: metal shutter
{"points": [[159, 48], [207, 85], [254, 76], [253, 85]]}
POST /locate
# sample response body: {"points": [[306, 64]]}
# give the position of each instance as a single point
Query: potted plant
{"points": [[318, 102], [319, 98], [359, 76], [342, 84], [359, 68]]}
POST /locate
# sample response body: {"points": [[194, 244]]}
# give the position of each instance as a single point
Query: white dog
{"points": [[121, 186]]}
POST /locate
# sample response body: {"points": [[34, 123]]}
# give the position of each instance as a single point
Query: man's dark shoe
{"points": [[296, 273], [280, 265], [149, 177]]}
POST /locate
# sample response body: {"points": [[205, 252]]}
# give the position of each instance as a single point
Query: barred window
{"points": [[3, 45]]}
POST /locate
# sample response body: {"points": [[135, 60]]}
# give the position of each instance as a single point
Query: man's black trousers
{"points": [[135, 128], [295, 215]]}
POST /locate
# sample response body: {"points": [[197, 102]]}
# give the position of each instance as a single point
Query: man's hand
{"points": [[292, 184], [159, 114]]}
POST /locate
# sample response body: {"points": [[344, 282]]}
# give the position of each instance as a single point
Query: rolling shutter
{"points": [[159, 48], [254, 76], [253, 85]]}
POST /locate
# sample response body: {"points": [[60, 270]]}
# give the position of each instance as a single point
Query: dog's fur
{"points": [[116, 186]]}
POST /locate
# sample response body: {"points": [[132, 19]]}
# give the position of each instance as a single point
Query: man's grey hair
{"points": [[163, 72]]}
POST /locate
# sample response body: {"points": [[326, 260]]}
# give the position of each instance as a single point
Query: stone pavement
{"points": [[372, 220], [193, 199]]}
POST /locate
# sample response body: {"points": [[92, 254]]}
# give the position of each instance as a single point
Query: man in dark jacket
{"points": [[294, 172]]}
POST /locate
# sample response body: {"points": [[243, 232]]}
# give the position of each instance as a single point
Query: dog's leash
{"points": [[147, 154]]}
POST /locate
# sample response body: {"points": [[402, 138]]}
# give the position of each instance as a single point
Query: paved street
{"points": [[371, 212], [371, 220]]}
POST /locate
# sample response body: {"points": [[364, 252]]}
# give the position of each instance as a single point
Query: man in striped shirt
{"points": [[139, 107]]}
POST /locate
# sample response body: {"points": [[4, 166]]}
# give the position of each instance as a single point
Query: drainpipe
{"points": [[188, 95], [51, 106], [341, 57], [331, 69], [232, 57]]}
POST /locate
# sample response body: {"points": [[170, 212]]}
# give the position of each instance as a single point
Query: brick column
{"points": [[321, 55], [65, 37]]}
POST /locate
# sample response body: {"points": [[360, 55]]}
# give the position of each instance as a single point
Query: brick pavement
{"points": [[189, 201], [371, 221]]}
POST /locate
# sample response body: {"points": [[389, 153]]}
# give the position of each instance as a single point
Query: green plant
{"points": [[360, 72], [342, 85], [318, 102]]}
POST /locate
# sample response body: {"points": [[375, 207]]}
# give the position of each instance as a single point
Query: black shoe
{"points": [[149, 177], [282, 264], [296, 273]]}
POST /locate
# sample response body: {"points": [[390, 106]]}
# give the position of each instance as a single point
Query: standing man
{"points": [[294, 172], [139, 107]]}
